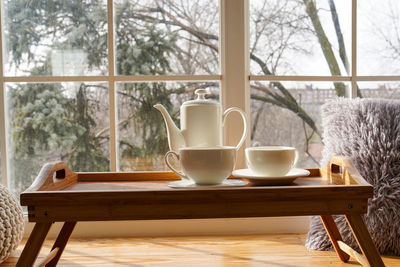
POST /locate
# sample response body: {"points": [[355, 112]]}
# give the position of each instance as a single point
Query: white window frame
{"points": [[234, 80]]}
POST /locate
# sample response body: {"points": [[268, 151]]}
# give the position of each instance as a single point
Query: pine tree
{"points": [[61, 118]]}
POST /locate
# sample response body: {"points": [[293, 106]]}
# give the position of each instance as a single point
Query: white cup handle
{"points": [[172, 168], [229, 110], [296, 158]]}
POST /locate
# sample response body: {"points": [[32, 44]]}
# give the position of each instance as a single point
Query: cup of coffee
{"points": [[204, 165], [272, 161]]}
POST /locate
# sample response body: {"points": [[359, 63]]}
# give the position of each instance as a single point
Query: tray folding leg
{"points": [[34, 244], [364, 240], [61, 242], [360, 232], [334, 235]]}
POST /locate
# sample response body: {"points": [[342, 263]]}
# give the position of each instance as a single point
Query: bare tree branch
{"points": [[339, 35], [325, 45], [340, 39]]}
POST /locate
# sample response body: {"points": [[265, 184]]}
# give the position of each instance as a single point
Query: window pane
{"points": [[142, 134], [389, 90], [288, 113], [56, 122], [284, 35], [59, 38], [166, 37], [378, 37]]}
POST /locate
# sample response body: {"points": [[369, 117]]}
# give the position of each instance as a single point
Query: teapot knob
{"points": [[201, 93]]}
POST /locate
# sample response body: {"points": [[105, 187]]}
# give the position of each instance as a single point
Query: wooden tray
{"points": [[59, 194]]}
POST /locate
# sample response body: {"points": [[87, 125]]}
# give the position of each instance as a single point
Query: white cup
{"points": [[272, 161], [203, 165]]}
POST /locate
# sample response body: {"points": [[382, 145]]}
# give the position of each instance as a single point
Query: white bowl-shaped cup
{"points": [[203, 165], [273, 161]]}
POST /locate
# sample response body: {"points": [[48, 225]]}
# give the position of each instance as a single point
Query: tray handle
{"points": [[340, 170], [53, 176]]}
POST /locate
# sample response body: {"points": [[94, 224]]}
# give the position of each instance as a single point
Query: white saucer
{"points": [[268, 180], [189, 184]]}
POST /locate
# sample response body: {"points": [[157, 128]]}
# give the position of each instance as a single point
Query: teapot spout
{"points": [[175, 137]]}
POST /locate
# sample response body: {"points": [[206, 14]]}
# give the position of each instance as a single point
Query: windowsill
{"points": [[236, 226]]}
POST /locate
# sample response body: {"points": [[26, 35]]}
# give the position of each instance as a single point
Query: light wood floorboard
{"points": [[248, 250]]}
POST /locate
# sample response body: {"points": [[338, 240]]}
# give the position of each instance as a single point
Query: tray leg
{"points": [[34, 244], [61, 242], [334, 235], [364, 239]]}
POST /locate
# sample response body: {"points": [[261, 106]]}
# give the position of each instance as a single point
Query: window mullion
{"points": [[3, 132], [3, 143], [119, 78], [111, 87], [300, 78], [234, 53], [353, 91]]}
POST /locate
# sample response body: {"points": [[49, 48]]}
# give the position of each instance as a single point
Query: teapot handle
{"points": [[172, 168], [229, 110]]}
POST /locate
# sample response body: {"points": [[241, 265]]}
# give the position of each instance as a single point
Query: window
{"points": [[141, 147], [378, 49], [56, 121], [298, 50], [306, 52], [79, 78]]}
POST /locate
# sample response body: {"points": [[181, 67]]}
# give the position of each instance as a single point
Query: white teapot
{"points": [[201, 123]]}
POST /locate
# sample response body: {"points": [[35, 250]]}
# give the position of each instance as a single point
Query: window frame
{"points": [[234, 76], [235, 91]]}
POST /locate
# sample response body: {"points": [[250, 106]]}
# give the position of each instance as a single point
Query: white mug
{"points": [[273, 161], [203, 165]]}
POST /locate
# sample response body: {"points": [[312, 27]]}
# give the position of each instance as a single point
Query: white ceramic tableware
{"points": [[274, 161], [286, 179], [204, 166], [201, 123]]}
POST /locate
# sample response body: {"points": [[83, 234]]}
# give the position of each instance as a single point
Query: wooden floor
{"points": [[251, 250]]}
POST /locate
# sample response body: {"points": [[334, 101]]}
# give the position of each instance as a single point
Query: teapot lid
{"points": [[200, 99]]}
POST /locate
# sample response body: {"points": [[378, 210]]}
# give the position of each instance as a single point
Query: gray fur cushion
{"points": [[368, 132]]}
